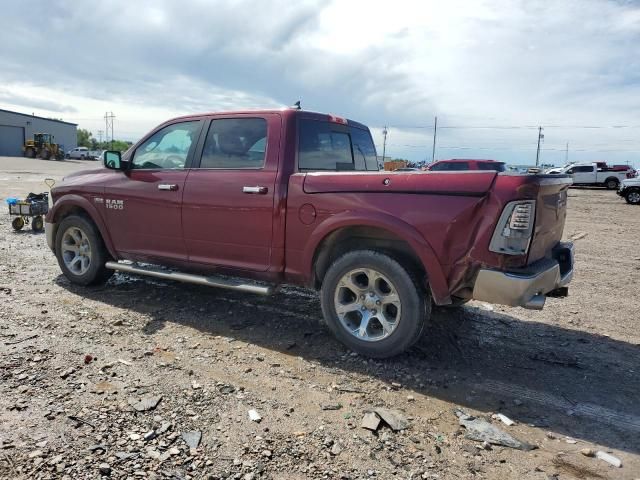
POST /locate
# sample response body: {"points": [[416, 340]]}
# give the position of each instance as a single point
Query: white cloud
{"points": [[501, 62]]}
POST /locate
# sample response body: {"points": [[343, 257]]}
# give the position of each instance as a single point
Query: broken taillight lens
{"points": [[512, 234]]}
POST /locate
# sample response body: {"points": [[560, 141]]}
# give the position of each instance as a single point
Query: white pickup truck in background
{"points": [[593, 174], [83, 153]]}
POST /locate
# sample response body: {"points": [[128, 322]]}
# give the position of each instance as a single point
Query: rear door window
{"points": [[326, 146], [234, 143], [450, 166], [364, 151], [495, 166]]}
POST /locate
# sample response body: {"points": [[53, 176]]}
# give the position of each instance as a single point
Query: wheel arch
{"points": [[381, 232], [77, 205]]}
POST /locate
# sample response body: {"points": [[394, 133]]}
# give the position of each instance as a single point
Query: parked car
{"points": [[83, 153], [294, 197], [591, 174], [630, 190], [466, 164], [78, 153]]}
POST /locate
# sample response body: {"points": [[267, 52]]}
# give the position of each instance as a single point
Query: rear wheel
{"points": [[45, 154], [17, 223], [37, 224], [612, 183], [373, 304], [81, 252], [633, 197]]}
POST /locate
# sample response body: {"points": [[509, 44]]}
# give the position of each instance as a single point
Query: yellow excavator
{"points": [[42, 146]]}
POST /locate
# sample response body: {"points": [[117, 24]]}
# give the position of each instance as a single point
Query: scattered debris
{"points": [[482, 431], [588, 452], [254, 416], [67, 372], [80, 420], [105, 469], [393, 418], [578, 236], [370, 421], [331, 406], [88, 359], [145, 403], [15, 342], [192, 439], [610, 459], [503, 418]]}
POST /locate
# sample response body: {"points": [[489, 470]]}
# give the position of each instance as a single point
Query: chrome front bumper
{"points": [[50, 231], [528, 287]]}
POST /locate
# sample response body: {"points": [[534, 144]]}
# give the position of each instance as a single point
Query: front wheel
{"points": [[81, 252], [633, 197], [17, 224], [373, 304]]}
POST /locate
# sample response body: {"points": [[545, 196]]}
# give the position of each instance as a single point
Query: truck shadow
{"points": [[569, 381]]}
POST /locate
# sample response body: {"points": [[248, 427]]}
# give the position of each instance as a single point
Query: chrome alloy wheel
{"points": [[367, 304], [634, 197], [76, 251]]}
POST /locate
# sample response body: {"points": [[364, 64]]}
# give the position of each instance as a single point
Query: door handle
{"points": [[168, 186], [255, 190]]}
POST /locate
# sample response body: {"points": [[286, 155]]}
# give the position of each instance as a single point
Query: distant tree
{"points": [[84, 138]]}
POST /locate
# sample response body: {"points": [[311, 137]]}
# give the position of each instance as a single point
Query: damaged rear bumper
{"points": [[528, 287]]}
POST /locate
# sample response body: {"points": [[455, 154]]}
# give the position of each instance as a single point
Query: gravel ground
{"points": [[149, 379]]}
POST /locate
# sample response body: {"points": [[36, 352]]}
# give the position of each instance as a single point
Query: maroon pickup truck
{"points": [[252, 200]]}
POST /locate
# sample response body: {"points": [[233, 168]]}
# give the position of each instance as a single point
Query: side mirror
{"points": [[112, 160]]}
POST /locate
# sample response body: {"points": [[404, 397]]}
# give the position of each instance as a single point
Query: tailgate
{"points": [[551, 213]]}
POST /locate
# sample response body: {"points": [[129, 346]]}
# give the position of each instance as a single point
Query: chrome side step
{"points": [[219, 282]]}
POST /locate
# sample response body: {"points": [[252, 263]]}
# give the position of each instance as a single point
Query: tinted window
{"points": [[167, 148], [496, 166], [235, 143], [322, 148], [364, 151], [450, 166], [582, 169]]}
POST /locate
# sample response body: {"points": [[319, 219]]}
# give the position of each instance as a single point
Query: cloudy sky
{"points": [[492, 71]]}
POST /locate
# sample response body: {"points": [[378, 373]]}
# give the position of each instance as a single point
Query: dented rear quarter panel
{"points": [[448, 218]]}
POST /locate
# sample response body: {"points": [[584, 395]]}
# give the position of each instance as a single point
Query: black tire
{"points": [[30, 153], [414, 300], [96, 273], [612, 183], [45, 154], [17, 223], [37, 224], [632, 196]]}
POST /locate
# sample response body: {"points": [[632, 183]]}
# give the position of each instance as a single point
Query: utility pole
{"points": [[540, 137], [435, 132], [100, 132], [384, 144], [108, 123]]}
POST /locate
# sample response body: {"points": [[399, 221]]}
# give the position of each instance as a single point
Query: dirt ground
{"points": [[568, 375]]}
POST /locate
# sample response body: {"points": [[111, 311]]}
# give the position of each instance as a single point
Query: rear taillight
{"points": [[515, 226]]}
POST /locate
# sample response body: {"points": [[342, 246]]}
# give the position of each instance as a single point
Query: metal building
{"points": [[16, 127]]}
